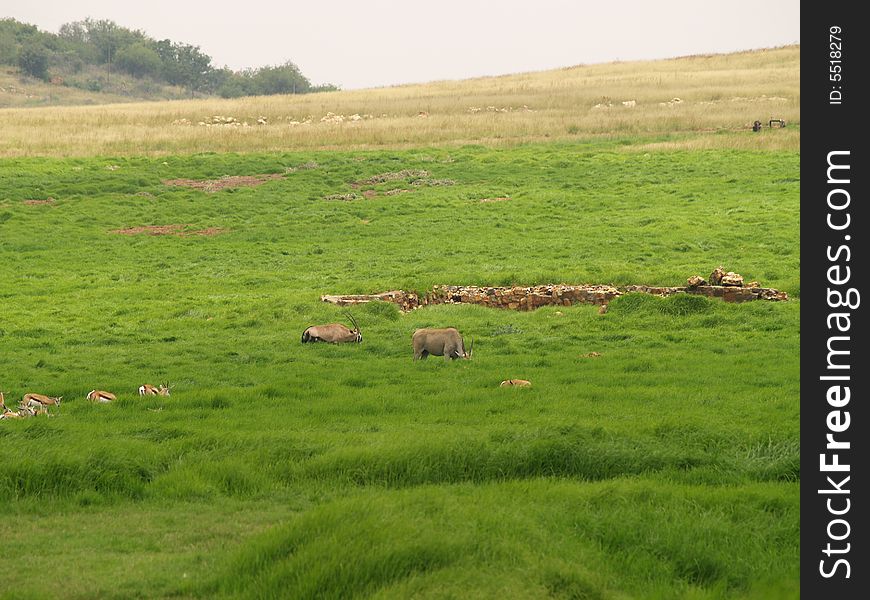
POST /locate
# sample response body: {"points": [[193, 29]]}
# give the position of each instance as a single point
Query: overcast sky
{"points": [[367, 43]]}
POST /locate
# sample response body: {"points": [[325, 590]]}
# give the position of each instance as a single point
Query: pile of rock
{"points": [[499, 109], [522, 298], [331, 117], [222, 121], [406, 301], [726, 285], [721, 278]]}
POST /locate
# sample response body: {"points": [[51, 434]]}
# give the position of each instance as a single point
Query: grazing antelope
{"points": [[440, 342], [334, 333], [40, 401], [515, 382], [150, 390], [101, 396]]}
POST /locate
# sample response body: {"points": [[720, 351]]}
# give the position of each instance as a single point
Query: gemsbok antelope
{"points": [[101, 397], [334, 333], [445, 342], [150, 390], [40, 401]]}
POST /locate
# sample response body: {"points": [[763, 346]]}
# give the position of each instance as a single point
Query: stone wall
{"points": [[530, 298]]}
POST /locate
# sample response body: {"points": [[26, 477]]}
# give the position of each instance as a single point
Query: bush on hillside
{"points": [[33, 60], [138, 60]]}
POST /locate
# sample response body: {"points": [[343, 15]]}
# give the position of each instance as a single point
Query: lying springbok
{"points": [[150, 390], [515, 382], [445, 342], [40, 401], [5, 413], [334, 333], [22, 413], [101, 397]]}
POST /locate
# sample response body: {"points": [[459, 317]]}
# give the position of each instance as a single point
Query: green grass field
{"points": [[667, 467]]}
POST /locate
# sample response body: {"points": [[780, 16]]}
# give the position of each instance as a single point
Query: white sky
{"points": [[367, 43]]}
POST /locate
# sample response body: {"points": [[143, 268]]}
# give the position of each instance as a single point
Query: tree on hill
{"points": [[283, 79], [33, 60], [96, 46], [184, 64], [138, 60]]}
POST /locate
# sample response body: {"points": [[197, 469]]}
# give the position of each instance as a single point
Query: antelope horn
{"points": [[352, 320]]}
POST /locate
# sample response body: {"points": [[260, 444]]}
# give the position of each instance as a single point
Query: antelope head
{"points": [[355, 329]]}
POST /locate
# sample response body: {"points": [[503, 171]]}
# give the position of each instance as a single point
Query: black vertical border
{"points": [[827, 127]]}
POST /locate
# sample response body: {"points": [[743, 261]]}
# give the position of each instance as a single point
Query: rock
{"points": [[732, 279], [695, 281], [716, 276], [602, 309], [753, 284]]}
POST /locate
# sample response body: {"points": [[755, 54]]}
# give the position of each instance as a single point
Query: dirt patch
{"points": [[412, 174], [433, 182], [344, 197], [370, 193], [36, 202], [208, 231], [501, 199], [396, 192], [176, 229], [229, 181]]}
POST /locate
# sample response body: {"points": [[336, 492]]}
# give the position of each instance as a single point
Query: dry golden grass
{"points": [[720, 96]]}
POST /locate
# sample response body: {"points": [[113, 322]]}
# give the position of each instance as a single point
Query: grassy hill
{"points": [[26, 92], [692, 102], [656, 455]]}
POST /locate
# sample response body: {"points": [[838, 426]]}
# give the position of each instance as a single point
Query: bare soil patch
{"points": [[411, 174], [229, 181], [370, 193], [180, 230], [36, 202], [501, 199], [343, 197]]}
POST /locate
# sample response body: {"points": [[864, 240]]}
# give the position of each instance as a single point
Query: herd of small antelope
{"points": [[446, 342], [32, 405]]}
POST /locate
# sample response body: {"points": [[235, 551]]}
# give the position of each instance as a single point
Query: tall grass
{"points": [[721, 96]]}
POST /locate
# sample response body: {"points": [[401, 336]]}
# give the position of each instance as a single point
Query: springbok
{"points": [[440, 342], [19, 414], [5, 413], [334, 333], [101, 397], [40, 401], [150, 390], [515, 382]]}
